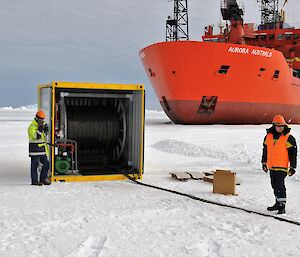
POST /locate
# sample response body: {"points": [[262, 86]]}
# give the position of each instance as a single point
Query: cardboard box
{"points": [[224, 182]]}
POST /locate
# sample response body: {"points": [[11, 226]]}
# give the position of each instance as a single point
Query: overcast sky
{"points": [[91, 40]]}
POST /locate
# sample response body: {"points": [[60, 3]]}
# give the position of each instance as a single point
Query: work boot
{"points": [[46, 182], [36, 183], [274, 207], [281, 208]]}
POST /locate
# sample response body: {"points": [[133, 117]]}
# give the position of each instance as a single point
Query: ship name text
{"points": [[245, 50]]}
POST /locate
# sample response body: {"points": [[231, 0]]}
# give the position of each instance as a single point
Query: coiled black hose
{"points": [[93, 127]]}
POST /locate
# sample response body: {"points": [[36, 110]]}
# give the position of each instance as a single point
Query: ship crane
{"points": [[233, 11], [177, 28], [271, 17]]}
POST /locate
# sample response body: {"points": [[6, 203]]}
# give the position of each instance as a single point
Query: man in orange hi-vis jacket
{"points": [[280, 158]]}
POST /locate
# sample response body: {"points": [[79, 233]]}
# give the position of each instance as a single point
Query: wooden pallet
{"points": [[196, 175], [186, 175]]}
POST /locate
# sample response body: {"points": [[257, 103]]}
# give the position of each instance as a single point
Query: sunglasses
{"points": [[279, 126]]}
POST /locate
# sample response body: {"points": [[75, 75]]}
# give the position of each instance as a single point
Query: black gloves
{"points": [[41, 128], [292, 171], [265, 167]]}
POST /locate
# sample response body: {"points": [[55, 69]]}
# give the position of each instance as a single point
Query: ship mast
{"points": [[270, 16], [177, 26]]}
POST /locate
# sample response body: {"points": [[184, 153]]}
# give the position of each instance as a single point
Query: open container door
{"points": [[45, 96]]}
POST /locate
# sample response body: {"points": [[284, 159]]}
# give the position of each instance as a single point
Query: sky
{"points": [[91, 40]]}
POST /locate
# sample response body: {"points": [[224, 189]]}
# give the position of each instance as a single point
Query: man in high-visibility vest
{"points": [[38, 149], [280, 158]]}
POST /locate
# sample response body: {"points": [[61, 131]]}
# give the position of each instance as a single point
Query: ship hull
{"points": [[193, 88]]}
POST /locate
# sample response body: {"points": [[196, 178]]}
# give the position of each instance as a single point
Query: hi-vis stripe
{"points": [[37, 141], [281, 200], [37, 153]]}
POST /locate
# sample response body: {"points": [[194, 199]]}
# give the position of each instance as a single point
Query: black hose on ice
{"points": [[212, 202]]}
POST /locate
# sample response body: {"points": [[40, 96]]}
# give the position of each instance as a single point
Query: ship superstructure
{"points": [[242, 75]]}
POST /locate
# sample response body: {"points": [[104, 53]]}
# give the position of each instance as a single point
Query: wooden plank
{"points": [[181, 176]]}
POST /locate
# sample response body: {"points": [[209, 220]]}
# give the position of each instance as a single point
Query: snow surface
{"points": [[119, 218]]}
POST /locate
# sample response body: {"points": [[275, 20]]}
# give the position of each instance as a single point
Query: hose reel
{"points": [[97, 123]]}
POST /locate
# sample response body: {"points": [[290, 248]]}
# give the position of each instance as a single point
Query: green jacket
{"points": [[37, 140]]}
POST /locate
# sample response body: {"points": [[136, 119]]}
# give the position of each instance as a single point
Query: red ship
{"points": [[242, 75]]}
